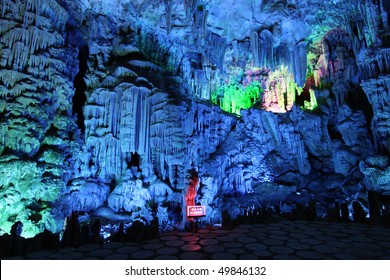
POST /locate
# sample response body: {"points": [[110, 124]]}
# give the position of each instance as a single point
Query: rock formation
{"points": [[125, 104]]}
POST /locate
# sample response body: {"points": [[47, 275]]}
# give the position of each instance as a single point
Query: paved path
{"points": [[282, 240]]}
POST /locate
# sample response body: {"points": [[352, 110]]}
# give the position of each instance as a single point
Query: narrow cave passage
{"points": [[79, 97]]}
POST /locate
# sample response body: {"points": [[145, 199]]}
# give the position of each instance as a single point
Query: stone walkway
{"points": [[283, 240]]}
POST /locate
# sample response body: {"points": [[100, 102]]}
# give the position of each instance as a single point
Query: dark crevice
{"points": [[357, 100], [79, 97], [334, 134], [135, 160]]}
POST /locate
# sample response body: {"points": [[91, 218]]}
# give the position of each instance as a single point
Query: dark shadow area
{"points": [[79, 97], [357, 100], [334, 133], [135, 160], [305, 94]]}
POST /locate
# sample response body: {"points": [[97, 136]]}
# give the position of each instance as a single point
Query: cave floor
{"points": [[280, 240]]}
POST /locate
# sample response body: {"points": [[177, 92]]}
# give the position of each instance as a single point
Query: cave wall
{"points": [[37, 129], [155, 73]]}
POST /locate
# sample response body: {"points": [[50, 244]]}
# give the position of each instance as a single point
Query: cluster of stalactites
{"points": [[24, 33], [266, 52], [279, 94], [117, 124]]}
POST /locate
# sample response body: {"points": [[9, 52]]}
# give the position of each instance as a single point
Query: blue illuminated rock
{"points": [[376, 172], [144, 73]]}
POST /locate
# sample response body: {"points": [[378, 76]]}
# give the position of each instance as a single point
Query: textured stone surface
{"points": [[151, 126], [35, 91]]}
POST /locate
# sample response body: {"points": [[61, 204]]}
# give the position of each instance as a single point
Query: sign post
{"points": [[196, 212]]}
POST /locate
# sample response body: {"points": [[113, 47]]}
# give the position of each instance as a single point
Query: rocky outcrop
{"points": [[36, 124], [378, 91], [376, 170]]}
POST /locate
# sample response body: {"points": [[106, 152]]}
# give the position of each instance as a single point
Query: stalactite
{"points": [[200, 23], [266, 57], [35, 87], [216, 50], [255, 48], [377, 63], [377, 91], [300, 63], [280, 90], [168, 15], [11, 77]]}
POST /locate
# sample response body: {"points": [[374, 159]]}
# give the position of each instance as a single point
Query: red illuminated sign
{"points": [[196, 211]]}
